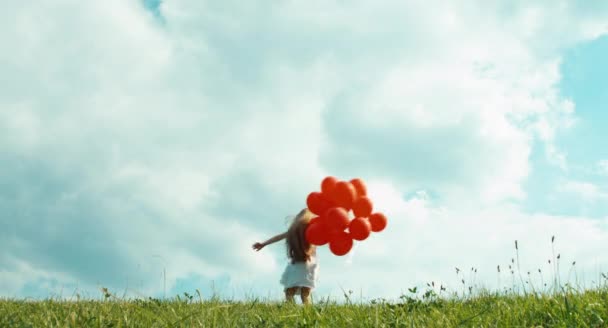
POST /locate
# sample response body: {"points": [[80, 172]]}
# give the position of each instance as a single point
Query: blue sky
{"points": [[583, 72], [145, 145]]}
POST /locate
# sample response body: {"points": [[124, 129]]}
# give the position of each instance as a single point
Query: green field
{"points": [[566, 309], [522, 304]]}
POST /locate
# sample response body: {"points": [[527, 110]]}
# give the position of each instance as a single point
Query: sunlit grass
{"points": [[552, 304], [568, 309]]}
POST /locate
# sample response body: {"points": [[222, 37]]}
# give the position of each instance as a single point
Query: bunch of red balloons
{"points": [[333, 224]]}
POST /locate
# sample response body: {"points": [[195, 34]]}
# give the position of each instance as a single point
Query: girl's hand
{"points": [[281, 236]]}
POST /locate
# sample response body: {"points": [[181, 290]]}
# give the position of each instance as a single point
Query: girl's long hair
{"points": [[298, 248]]}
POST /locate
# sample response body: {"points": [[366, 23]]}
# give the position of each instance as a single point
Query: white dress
{"points": [[301, 274]]}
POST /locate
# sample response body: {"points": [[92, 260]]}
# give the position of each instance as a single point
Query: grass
{"points": [[556, 306], [569, 309]]}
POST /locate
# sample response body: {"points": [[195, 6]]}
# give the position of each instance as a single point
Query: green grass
{"points": [[549, 304], [566, 309]]}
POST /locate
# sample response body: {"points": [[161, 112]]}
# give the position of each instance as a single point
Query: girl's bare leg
{"points": [[305, 295], [289, 293]]}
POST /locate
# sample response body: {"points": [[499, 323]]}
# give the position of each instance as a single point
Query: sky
{"points": [[146, 145]]}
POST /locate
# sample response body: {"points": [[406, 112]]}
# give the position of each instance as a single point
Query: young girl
{"points": [[301, 272]]}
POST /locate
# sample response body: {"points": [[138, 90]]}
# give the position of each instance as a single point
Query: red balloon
{"points": [[337, 218], [325, 203], [344, 194], [377, 221], [359, 187], [340, 243], [318, 203], [363, 207], [360, 228], [328, 184], [316, 232], [323, 220], [314, 202]]}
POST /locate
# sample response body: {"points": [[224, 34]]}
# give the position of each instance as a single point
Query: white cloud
{"points": [[194, 139], [585, 190], [427, 244]]}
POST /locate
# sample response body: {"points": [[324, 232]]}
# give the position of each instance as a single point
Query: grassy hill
{"points": [[522, 304], [569, 308]]}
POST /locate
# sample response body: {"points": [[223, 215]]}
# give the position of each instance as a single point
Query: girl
{"points": [[301, 272]]}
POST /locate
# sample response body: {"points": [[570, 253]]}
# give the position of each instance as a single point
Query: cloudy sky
{"points": [[142, 137]]}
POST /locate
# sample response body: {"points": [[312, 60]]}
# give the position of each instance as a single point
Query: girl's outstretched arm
{"points": [[258, 246]]}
